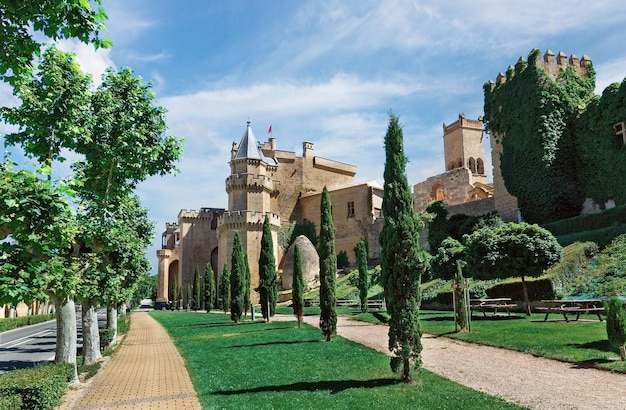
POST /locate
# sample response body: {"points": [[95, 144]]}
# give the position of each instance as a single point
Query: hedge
{"points": [[12, 402], [39, 387], [588, 222], [15, 322], [602, 237]]}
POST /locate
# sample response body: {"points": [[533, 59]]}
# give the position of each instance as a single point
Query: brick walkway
{"points": [[145, 372]]}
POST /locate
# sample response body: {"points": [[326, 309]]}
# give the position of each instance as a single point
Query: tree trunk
{"points": [[66, 332], [622, 352], [91, 333], [526, 299], [112, 320], [406, 372]]}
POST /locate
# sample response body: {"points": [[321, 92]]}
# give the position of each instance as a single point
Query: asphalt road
{"points": [[27, 346]]}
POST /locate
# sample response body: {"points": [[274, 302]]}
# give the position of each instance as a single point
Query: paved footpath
{"points": [[533, 382], [145, 372]]}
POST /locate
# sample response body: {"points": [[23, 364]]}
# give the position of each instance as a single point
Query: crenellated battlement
{"points": [[553, 64], [203, 213], [239, 219], [245, 181], [462, 122]]}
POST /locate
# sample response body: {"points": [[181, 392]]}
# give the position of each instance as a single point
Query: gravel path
{"points": [[527, 380]]}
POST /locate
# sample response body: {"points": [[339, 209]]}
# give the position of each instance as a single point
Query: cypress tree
{"points": [[328, 268], [401, 259], [224, 290], [268, 278], [197, 290], [363, 283], [209, 287], [616, 324], [298, 285], [248, 282], [237, 279]]}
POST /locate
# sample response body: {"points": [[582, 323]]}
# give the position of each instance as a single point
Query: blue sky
{"points": [[329, 72]]}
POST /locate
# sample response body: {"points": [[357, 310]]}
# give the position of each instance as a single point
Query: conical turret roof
{"points": [[249, 148]]}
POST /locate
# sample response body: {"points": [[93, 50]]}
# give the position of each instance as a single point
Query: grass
{"points": [[257, 365], [584, 342]]}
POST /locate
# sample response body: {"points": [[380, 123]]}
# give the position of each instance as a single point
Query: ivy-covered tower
{"points": [[252, 193], [530, 113]]}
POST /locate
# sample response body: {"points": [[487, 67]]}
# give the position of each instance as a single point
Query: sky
{"points": [[329, 72]]}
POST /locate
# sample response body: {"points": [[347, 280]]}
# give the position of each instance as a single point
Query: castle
{"points": [[264, 180]]}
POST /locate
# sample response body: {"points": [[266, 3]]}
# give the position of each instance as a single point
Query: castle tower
{"points": [[463, 146], [252, 193]]}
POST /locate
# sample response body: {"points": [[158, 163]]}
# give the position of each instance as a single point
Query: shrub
{"points": [[106, 337], [38, 387], [12, 402], [616, 324], [537, 290], [342, 260]]}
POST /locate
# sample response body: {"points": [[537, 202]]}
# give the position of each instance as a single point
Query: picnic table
{"points": [[492, 305], [572, 307]]}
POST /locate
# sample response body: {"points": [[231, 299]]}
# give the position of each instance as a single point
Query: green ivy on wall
{"points": [[534, 115], [602, 164]]}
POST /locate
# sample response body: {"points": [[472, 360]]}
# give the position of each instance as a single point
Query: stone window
{"points": [[377, 213], [471, 164], [480, 166], [620, 133], [351, 209]]}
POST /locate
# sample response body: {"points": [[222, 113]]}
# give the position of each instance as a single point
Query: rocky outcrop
{"points": [[310, 262]]}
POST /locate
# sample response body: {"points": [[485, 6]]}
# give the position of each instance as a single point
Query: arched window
{"points": [[450, 165], [471, 164], [437, 192], [459, 163], [480, 166]]}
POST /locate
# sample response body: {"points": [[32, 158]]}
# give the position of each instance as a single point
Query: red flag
{"points": [[269, 130]]}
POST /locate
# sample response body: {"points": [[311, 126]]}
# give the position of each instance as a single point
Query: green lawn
{"points": [[582, 342], [257, 365]]}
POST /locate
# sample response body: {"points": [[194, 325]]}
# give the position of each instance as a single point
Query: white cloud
{"points": [[609, 72]]}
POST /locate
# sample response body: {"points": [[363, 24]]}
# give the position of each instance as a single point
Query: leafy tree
{"points": [[209, 287], [23, 23], [401, 258], [224, 289], [36, 233], [297, 290], [54, 110], [146, 288], [512, 250], [197, 290], [616, 324], [342, 260], [363, 283], [443, 264], [328, 269], [237, 279], [268, 277]]}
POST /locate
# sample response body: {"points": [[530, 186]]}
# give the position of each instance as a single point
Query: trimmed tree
{"points": [[401, 258], [197, 290], [616, 324], [237, 279], [268, 278], [224, 289], [248, 282], [328, 269], [512, 250], [363, 283], [297, 290], [209, 287]]}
